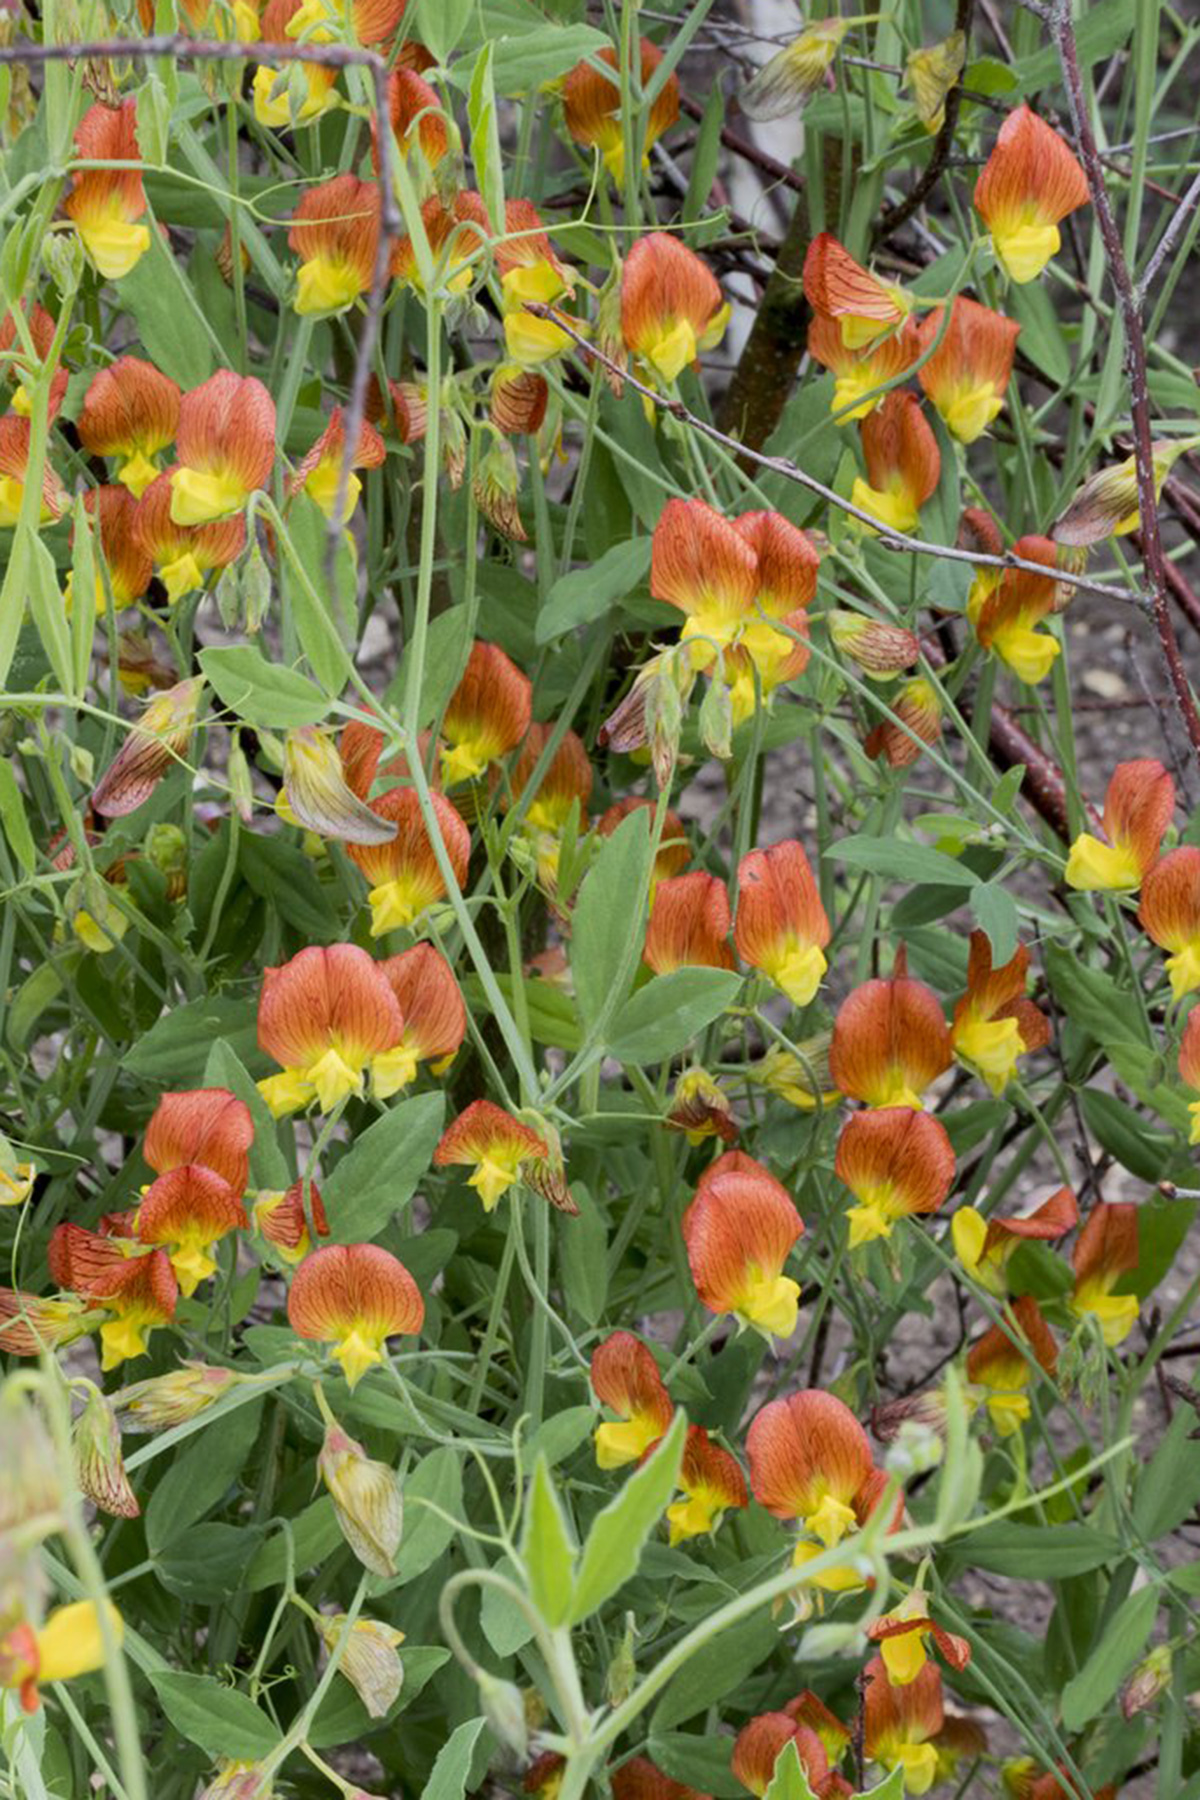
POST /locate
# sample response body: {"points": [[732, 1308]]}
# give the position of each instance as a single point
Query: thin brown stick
{"points": [[336, 56], [1153, 558]]}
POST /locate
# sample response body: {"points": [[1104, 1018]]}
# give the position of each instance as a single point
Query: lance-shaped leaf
{"points": [[614, 1544]]}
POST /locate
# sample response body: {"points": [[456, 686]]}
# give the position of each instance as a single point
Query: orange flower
{"points": [[592, 106], [895, 1162], [858, 372], [781, 925], [674, 850], [272, 87], [701, 1108], [1008, 611], [918, 708], [335, 234], [889, 1041], [488, 714], [968, 374], [689, 924], [435, 1018], [131, 411], [14, 466], [494, 1145], [994, 1023], [960, 1740], [1002, 1369], [280, 1218], [739, 1231], [416, 116], [837, 287], [1170, 915], [904, 464], [104, 205], [671, 306], [156, 743], [187, 1211], [529, 270], [324, 1017], [404, 874], [16, 366], [1189, 1067], [810, 1461], [809, 1709], [899, 1723], [226, 446], [1028, 185], [364, 22], [138, 1290], [354, 1296], [1106, 1251], [625, 1378], [566, 782], [208, 1126], [183, 554], [902, 1632], [984, 1246], [785, 583], [1137, 810], [1023, 1779], [31, 1326], [319, 474], [517, 400], [129, 567], [457, 234], [712, 1485], [639, 1779], [701, 563], [759, 1744]]}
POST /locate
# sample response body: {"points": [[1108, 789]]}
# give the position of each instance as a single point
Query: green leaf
{"points": [[447, 647], [485, 133], [221, 1720], [379, 1174], [438, 1479], [587, 594], [1041, 332], [200, 1475], [1093, 1000], [715, 1671], [890, 1789], [441, 23], [1125, 1135], [614, 1543], [669, 1011], [262, 693], [1168, 1487], [324, 617], [603, 921], [558, 1436], [1122, 1640], [547, 1548], [788, 1779], [995, 912], [1101, 31], [451, 1771], [537, 57], [209, 1562], [583, 1258], [174, 1051], [49, 613], [897, 860], [314, 1535], [698, 1762], [1029, 1550], [83, 586], [16, 824]]}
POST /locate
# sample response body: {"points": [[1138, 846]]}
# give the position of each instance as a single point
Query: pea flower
{"points": [[809, 1709], [1189, 1068], [781, 925], [902, 1636], [319, 472], [700, 1108], [324, 1017], [68, 1644], [566, 782], [1106, 1251], [671, 306], [918, 722], [739, 1231], [96, 1450], [1137, 810], [187, 1211], [788, 80], [136, 1288], [591, 99], [355, 1297], [1000, 1363], [930, 74], [967, 376], [899, 1723], [889, 1041], [903, 462], [416, 117], [435, 1018], [15, 366], [994, 1024], [226, 447], [858, 372], [1170, 915], [529, 270], [334, 232], [280, 1218], [14, 468], [404, 874], [625, 1378], [712, 1485], [1007, 615], [184, 555], [487, 716], [984, 1246], [370, 1661], [106, 205], [810, 1461], [32, 1326], [759, 1745], [877, 647], [838, 288], [456, 232], [156, 743], [1028, 185], [113, 511], [366, 1495], [281, 96], [640, 1779], [1107, 505], [689, 924], [494, 1145], [130, 412], [961, 1740], [163, 1401], [896, 1163]]}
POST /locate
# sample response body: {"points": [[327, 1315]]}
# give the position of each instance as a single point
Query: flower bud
{"points": [[29, 1484], [239, 1781], [880, 650], [369, 1660], [622, 1670], [99, 1467], [504, 1709], [16, 1178], [162, 1401], [497, 485], [716, 720], [241, 786], [1149, 1679], [366, 1498]]}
